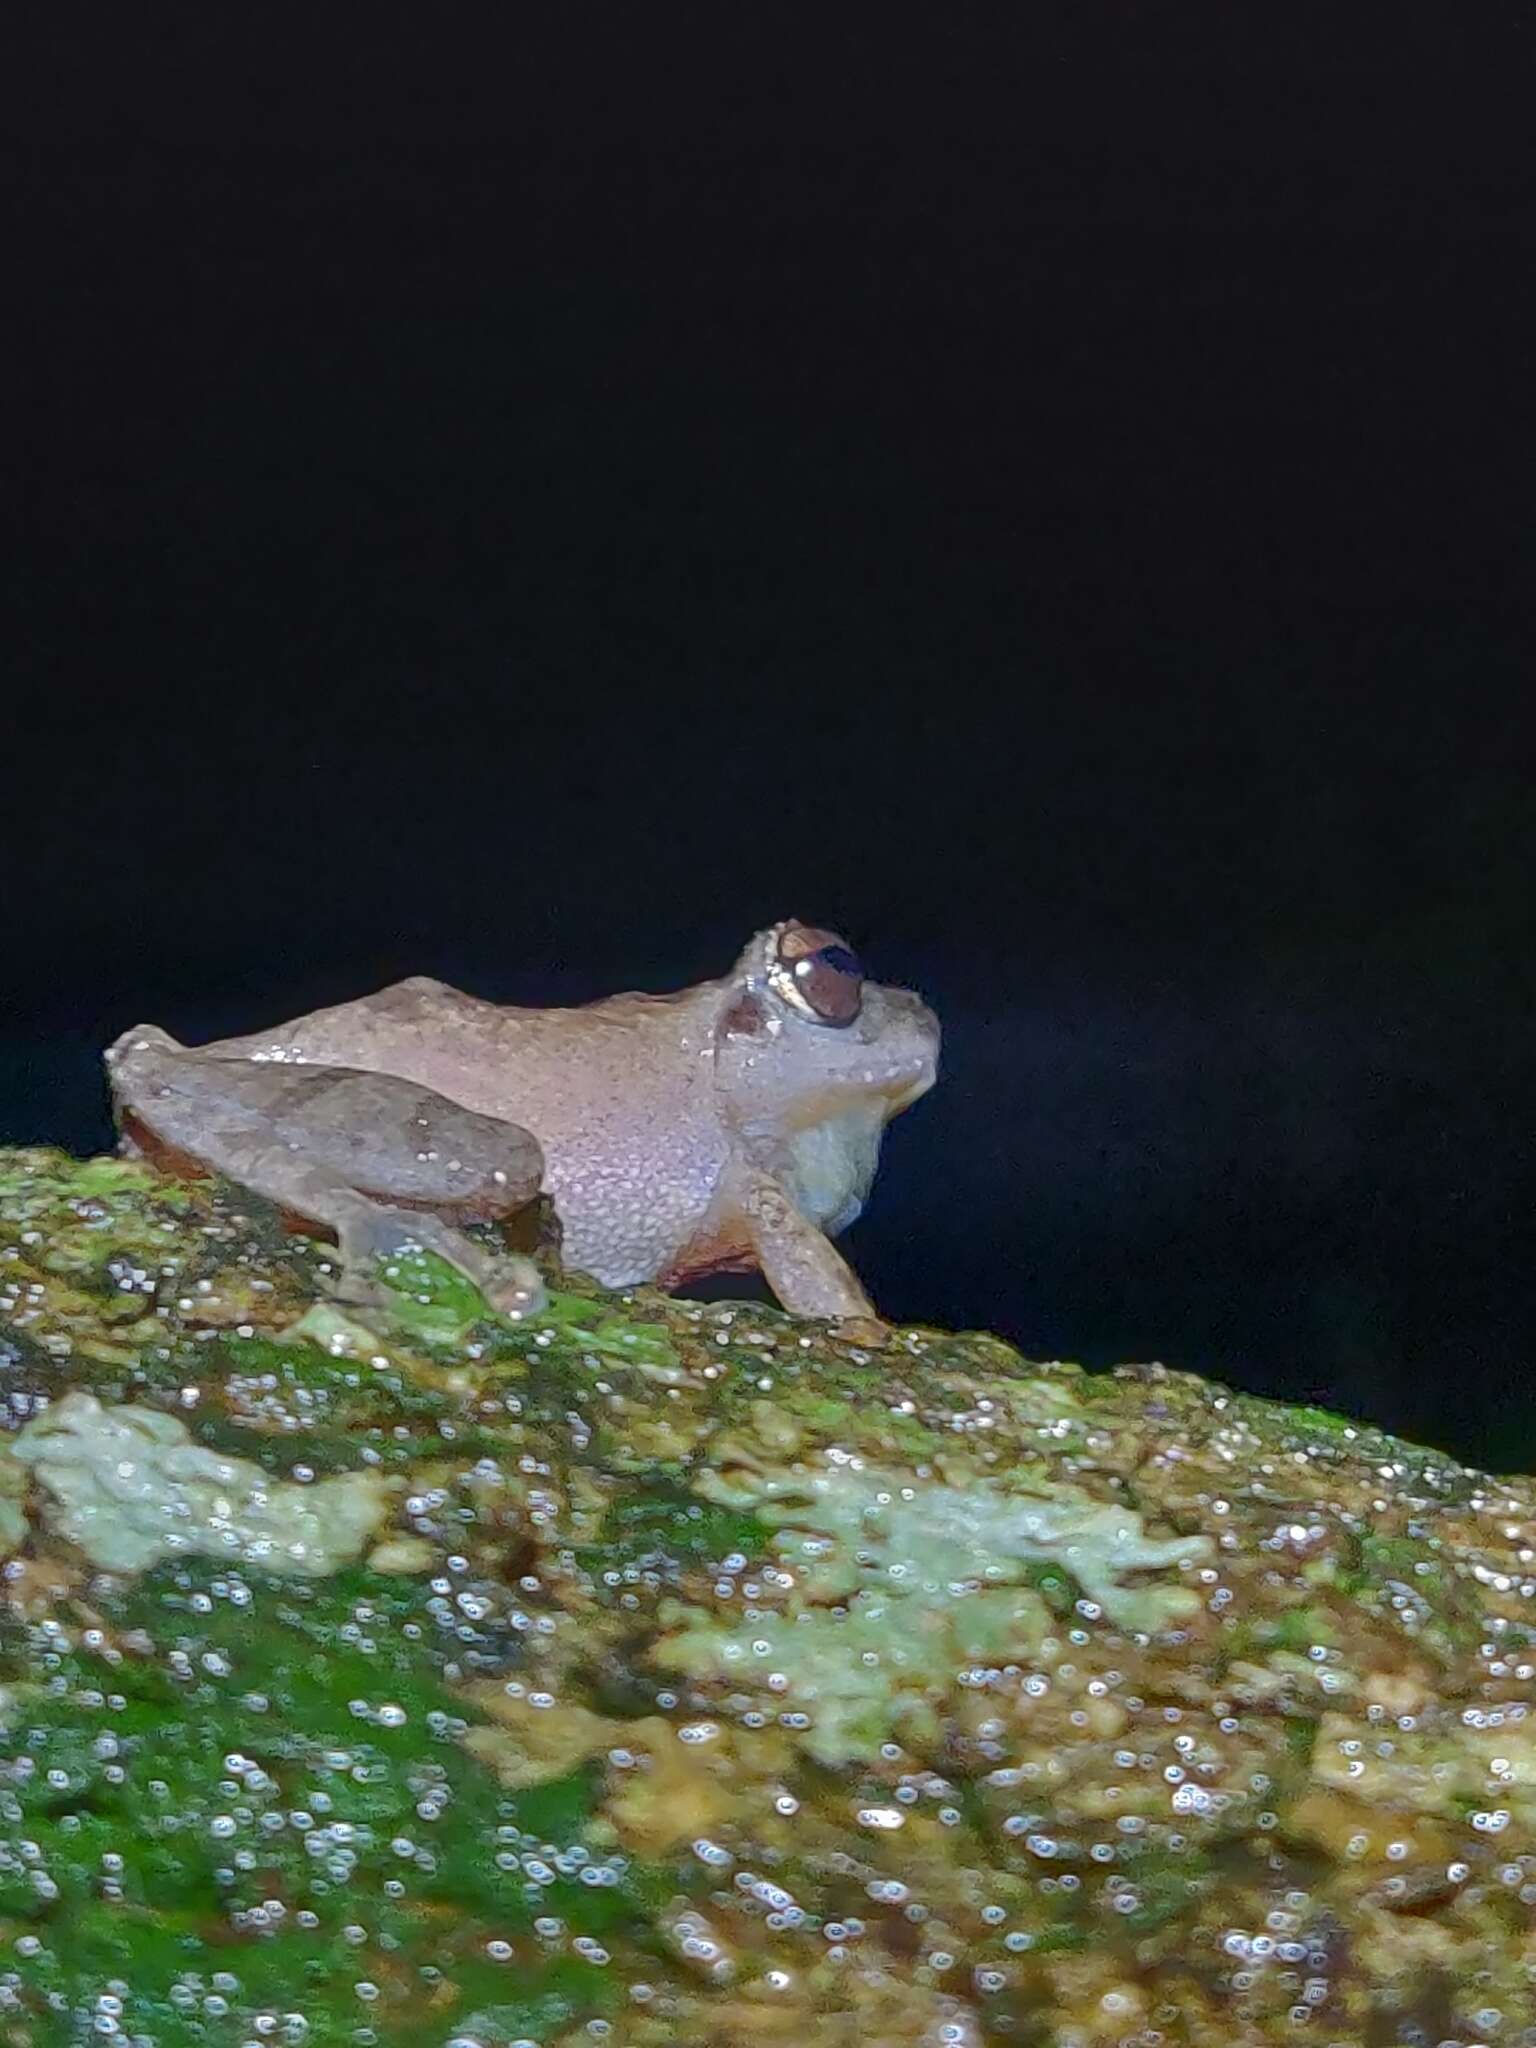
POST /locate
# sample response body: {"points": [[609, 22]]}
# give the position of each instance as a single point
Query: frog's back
{"points": [[619, 1094]]}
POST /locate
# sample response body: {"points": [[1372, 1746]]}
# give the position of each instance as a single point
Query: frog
{"points": [[727, 1127]]}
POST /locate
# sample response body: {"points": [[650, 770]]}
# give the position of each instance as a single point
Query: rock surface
{"points": [[660, 1673]]}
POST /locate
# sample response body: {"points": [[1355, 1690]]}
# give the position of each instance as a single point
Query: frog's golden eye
{"points": [[818, 974]]}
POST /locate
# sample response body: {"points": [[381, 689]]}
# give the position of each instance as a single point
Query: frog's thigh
{"points": [[804, 1269], [396, 1140]]}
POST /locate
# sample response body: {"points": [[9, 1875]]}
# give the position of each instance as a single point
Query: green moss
{"points": [[1301, 1736], [39, 1177], [1297, 1628], [178, 1994], [1164, 1887], [668, 1523], [1304, 1418], [1055, 1585], [273, 1718]]}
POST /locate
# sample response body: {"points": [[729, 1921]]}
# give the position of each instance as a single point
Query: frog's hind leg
{"points": [[372, 1158], [369, 1232]]}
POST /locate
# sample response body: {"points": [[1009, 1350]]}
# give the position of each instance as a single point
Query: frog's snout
{"points": [[910, 1037]]}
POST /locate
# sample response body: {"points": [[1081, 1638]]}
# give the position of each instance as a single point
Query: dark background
{"points": [[1047, 491]]}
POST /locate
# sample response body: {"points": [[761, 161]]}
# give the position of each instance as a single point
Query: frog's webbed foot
{"points": [[367, 1232]]}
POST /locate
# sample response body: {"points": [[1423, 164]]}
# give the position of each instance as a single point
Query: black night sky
{"points": [[1046, 491]]}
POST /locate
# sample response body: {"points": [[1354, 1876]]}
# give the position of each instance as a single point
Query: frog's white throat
{"points": [[830, 1165]]}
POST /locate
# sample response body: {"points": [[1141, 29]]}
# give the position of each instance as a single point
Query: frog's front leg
{"points": [[371, 1157], [804, 1269]]}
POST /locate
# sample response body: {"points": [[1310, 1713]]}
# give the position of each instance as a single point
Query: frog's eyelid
{"points": [[766, 950]]}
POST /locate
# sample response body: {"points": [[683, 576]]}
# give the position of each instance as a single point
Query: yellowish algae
{"points": [[656, 1673]]}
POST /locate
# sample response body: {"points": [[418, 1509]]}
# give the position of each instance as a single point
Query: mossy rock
{"points": [[659, 1673]]}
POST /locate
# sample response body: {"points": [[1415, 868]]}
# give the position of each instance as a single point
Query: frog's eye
{"points": [[818, 974]]}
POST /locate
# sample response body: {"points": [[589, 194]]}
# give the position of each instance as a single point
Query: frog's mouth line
{"points": [[918, 1088], [903, 1081], [878, 1092]]}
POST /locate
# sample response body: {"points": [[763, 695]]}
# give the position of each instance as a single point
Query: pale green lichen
{"points": [[849, 1523], [129, 1487], [873, 1667], [930, 1577]]}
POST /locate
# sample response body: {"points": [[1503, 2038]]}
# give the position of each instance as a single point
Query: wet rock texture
{"points": [[658, 1674]]}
